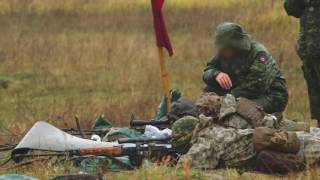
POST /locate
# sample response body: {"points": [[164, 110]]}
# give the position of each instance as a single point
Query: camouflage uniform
{"points": [[308, 46], [210, 144], [230, 112], [254, 72], [221, 137], [217, 147]]}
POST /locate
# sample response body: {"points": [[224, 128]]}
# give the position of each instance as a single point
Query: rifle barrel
{"points": [[134, 123], [144, 140]]}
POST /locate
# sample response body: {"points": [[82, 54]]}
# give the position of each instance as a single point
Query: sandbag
{"points": [[277, 140]]}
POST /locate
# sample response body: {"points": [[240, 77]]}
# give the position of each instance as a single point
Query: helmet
{"points": [[182, 131]]}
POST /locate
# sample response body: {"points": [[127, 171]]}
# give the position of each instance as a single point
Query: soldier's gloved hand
{"points": [[224, 80]]}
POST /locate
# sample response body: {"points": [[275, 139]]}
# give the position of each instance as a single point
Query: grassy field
{"points": [[90, 57]]}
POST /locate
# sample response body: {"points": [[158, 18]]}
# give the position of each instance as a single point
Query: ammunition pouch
{"points": [[271, 139], [250, 111]]}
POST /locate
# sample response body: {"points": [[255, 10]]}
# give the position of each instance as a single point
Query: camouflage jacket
{"points": [[252, 73], [309, 13], [216, 146]]}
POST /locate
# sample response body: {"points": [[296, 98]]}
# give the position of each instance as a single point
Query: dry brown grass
{"points": [[88, 58]]}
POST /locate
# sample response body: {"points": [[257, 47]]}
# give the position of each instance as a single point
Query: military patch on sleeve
{"points": [[262, 59]]}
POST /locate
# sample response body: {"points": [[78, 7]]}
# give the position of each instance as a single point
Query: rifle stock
{"points": [[115, 151]]}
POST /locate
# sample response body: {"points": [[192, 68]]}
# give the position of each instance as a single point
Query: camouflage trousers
{"points": [[273, 101], [312, 75]]}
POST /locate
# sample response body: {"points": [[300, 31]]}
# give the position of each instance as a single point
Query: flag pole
{"points": [[164, 78]]}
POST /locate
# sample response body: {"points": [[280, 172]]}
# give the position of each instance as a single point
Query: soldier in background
{"points": [[308, 47], [245, 68]]}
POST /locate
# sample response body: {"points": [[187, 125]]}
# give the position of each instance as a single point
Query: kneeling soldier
{"points": [[245, 68]]}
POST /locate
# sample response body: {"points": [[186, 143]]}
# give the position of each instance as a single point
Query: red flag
{"points": [[160, 26]]}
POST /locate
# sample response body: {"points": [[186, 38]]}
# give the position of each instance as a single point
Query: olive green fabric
{"points": [[294, 7], [308, 46], [161, 112], [93, 163], [253, 71], [180, 107], [121, 132], [101, 123], [312, 75], [182, 131]]}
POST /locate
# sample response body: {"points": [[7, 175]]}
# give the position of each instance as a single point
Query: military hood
{"points": [[231, 35], [182, 131]]}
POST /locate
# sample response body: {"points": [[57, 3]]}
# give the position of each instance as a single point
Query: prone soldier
{"points": [[226, 136]]}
